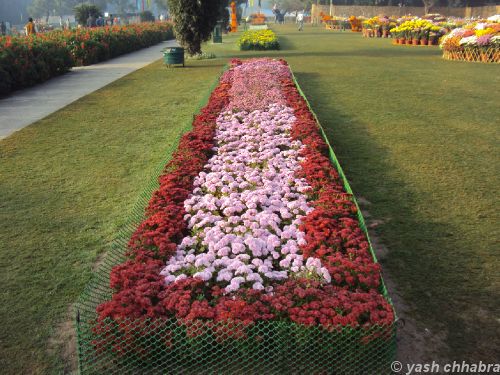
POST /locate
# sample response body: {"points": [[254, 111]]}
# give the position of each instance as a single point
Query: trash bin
{"points": [[173, 55], [217, 34]]}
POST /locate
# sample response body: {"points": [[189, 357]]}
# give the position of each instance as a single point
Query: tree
{"points": [[44, 8], [122, 6], [292, 5], [194, 21], [161, 4], [147, 16], [84, 11], [40, 8], [428, 4]]}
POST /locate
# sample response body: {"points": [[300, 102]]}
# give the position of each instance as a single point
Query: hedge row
{"points": [[26, 61]]}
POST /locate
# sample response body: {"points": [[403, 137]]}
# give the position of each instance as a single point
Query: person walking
{"points": [[300, 20], [30, 27]]}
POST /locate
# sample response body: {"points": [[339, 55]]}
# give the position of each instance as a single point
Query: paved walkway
{"points": [[24, 107]]}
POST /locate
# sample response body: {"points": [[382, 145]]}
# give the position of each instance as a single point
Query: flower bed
{"points": [[478, 42], [25, 61], [258, 40], [418, 32], [252, 250]]}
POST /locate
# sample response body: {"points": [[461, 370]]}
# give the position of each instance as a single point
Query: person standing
{"points": [[3, 28], [300, 20], [91, 21], [30, 27]]}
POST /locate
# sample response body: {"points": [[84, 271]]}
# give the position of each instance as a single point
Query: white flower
{"points": [[469, 41]]}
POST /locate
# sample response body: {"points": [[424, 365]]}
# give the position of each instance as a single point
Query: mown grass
{"points": [[66, 184], [416, 136]]}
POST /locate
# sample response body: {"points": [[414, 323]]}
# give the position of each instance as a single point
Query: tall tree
{"points": [[44, 8], [194, 21], [40, 8], [123, 6], [292, 5], [162, 4], [428, 4]]}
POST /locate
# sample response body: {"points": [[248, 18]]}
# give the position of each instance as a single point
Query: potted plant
{"points": [[424, 36]]}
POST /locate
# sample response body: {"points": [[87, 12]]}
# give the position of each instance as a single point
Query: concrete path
{"points": [[24, 107]]}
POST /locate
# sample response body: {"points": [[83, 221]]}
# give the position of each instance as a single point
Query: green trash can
{"points": [[173, 55], [217, 34]]}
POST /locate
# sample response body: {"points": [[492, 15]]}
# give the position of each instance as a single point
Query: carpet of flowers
{"points": [[25, 61], [251, 222]]}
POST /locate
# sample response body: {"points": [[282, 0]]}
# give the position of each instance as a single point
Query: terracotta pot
{"points": [[432, 42], [408, 41], [415, 42], [402, 41], [423, 42]]}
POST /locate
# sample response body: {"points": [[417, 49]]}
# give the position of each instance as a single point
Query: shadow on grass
{"points": [[425, 255]]}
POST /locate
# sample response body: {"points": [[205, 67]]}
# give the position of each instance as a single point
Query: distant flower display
{"points": [[258, 40], [477, 41]]}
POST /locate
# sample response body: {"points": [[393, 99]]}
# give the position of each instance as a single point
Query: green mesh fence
{"points": [[159, 346]]}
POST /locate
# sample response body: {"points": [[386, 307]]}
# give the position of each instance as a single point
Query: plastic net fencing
{"points": [[161, 346], [171, 347], [484, 55]]}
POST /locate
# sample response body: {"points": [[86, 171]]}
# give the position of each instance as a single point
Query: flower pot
{"points": [[402, 41], [397, 40], [423, 42], [415, 42]]}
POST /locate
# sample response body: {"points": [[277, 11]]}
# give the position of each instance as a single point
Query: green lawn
{"points": [[416, 135]]}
